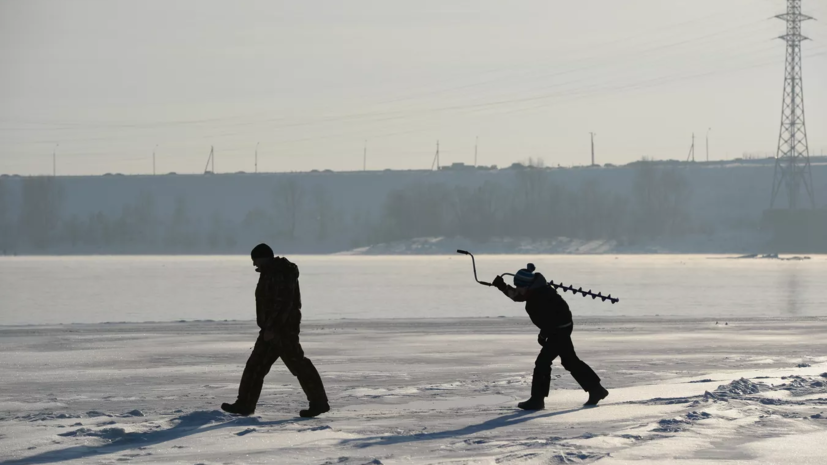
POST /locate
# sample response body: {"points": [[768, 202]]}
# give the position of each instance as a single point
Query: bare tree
{"points": [[74, 230], [258, 225], [216, 231], [476, 212], [180, 230], [289, 196], [137, 224], [7, 233], [419, 210], [661, 199], [324, 213], [529, 201], [40, 210]]}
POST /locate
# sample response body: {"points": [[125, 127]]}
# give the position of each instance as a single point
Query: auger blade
{"points": [[589, 293]]}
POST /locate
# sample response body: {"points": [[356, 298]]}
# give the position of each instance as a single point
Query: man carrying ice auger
{"points": [[278, 314], [549, 312]]}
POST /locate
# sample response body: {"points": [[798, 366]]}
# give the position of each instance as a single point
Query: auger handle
{"points": [[474, 264]]}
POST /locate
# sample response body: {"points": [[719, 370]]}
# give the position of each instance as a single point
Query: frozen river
{"points": [[424, 383], [418, 392], [48, 290]]}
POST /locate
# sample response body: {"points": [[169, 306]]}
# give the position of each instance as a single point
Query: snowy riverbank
{"points": [[418, 391], [723, 243]]}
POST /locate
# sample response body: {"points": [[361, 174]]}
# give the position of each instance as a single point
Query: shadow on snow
{"points": [[189, 424], [194, 423], [492, 424]]}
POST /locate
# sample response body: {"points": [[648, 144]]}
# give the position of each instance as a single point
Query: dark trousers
{"points": [[559, 344], [265, 354]]}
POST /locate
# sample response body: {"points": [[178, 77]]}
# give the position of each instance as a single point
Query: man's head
{"points": [[262, 254], [524, 277]]}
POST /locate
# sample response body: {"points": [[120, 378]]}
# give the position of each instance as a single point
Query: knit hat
{"points": [[261, 251], [524, 277]]}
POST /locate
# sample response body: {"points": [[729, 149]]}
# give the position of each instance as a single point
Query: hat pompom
{"points": [[530, 267]]}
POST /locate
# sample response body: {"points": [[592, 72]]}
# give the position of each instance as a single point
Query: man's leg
{"points": [[541, 381], [302, 368], [582, 373], [265, 354]]}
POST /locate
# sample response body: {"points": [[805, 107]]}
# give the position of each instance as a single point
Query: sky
{"points": [[103, 84]]}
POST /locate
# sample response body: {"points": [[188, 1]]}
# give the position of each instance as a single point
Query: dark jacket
{"points": [[278, 298], [547, 310]]}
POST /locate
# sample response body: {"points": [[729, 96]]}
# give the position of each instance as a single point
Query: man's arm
{"points": [[282, 291], [517, 295]]}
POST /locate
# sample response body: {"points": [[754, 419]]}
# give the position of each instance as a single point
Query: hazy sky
{"points": [[311, 80]]}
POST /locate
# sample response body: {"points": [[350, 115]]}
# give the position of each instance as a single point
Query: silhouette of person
{"points": [[278, 314], [549, 312]]}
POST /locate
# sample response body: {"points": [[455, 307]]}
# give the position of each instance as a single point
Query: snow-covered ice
{"points": [[418, 391]]}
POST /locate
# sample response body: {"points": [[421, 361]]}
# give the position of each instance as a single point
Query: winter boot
{"points": [[315, 409], [237, 409], [596, 395], [533, 404]]}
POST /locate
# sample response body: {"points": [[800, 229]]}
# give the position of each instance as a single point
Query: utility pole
{"points": [[436, 158], [707, 144], [691, 156], [592, 134], [365, 157], [476, 147], [792, 161], [257, 157], [54, 160], [153, 159]]}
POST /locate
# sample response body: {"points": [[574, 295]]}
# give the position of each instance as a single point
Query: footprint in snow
{"points": [[315, 428]]}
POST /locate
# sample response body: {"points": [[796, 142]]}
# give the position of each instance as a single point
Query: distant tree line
{"points": [[33, 220], [305, 219], [537, 208]]}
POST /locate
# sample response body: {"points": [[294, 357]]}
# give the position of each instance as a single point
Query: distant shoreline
{"points": [[731, 243], [311, 324]]}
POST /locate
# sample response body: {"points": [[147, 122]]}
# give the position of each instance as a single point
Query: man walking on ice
{"points": [[278, 314], [549, 312]]}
